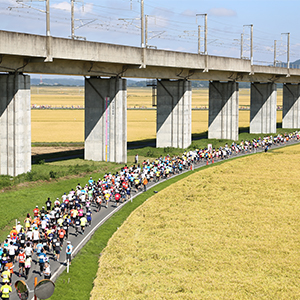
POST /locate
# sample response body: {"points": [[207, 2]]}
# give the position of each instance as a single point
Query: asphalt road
{"points": [[98, 218]]}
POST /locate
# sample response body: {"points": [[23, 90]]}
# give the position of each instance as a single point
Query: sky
{"points": [[172, 24]]}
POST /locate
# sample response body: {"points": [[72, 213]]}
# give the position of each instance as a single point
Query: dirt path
{"points": [[46, 150]]}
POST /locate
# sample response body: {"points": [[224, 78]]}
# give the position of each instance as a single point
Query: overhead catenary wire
{"points": [[172, 23]]}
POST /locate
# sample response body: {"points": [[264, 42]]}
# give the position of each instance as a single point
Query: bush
{"points": [[6, 180], [41, 162], [150, 153], [29, 176], [53, 174]]}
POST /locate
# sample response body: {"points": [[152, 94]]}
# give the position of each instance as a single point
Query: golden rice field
{"points": [[68, 125], [226, 232], [136, 97]]}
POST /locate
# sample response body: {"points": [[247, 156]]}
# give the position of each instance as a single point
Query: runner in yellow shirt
{"points": [[107, 197], [5, 275], [5, 291], [83, 221]]}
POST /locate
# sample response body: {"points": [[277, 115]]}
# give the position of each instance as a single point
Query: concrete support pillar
{"points": [[106, 119], [291, 106], [174, 114], [263, 108], [223, 110], [15, 124]]}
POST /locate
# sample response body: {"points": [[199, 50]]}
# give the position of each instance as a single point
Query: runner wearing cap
{"points": [[89, 217], [56, 202], [47, 271], [69, 250], [21, 259], [19, 227], [36, 211]]}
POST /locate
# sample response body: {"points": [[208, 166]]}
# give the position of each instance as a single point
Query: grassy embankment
{"points": [[78, 167]]}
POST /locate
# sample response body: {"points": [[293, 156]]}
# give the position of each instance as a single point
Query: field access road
{"points": [[97, 220]]}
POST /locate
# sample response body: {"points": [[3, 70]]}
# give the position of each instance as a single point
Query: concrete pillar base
{"points": [[106, 119], [223, 110], [15, 124], [174, 114], [263, 108], [291, 106]]}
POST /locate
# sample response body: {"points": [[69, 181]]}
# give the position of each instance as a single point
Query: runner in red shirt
{"points": [[117, 198], [61, 235], [36, 211], [21, 259]]}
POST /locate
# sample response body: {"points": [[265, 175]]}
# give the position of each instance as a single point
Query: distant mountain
{"points": [[293, 65], [130, 82], [58, 81]]}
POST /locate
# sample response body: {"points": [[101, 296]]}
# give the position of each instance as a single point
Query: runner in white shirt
{"points": [[28, 250], [19, 226], [29, 234], [44, 223]]}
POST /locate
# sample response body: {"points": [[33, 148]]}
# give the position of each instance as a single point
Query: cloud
{"points": [[62, 5], [189, 13], [162, 16], [222, 12], [86, 8]]}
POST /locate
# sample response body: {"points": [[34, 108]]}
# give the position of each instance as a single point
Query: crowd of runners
{"points": [[44, 231]]}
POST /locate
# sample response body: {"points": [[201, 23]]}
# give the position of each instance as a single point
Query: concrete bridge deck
{"points": [[106, 65], [27, 53]]}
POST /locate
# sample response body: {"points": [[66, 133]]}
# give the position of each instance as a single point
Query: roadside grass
{"points": [[48, 171], [227, 232]]}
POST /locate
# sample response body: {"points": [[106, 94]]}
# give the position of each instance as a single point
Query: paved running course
{"points": [[78, 242]]}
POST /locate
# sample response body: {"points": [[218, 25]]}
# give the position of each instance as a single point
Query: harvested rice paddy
{"points": [[68, 125]]}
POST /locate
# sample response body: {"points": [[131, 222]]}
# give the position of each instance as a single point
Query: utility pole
{"points": [[205, 48], [251, 41], [274, 53], [288, 49], [205, 32], [72, 20], [251, 45], [143, 54], [48, 35], [147, 38], [47, 18], [146, 31], [199, 39], [242, 42], [142, 25]]}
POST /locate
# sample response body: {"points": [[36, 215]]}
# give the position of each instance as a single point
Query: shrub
{"points": [[52, 174]]}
